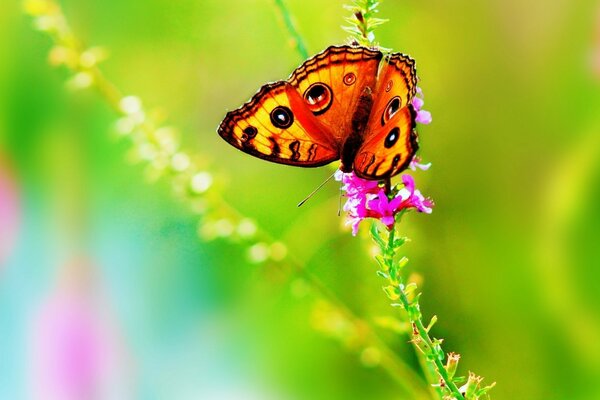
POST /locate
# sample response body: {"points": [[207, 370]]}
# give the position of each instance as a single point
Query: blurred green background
{"points": [[509, 259]]}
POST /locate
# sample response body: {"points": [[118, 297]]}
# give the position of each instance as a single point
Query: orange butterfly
{"points": [[347, 102]]}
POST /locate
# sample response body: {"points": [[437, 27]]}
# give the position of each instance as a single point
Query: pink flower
{"points": [[423, 117], [353, 185], [416, 164], [68, 349], [366, 199], [413, 197], [385, 208], [74, 348]]}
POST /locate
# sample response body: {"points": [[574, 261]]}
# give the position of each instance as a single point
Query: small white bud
{"points": [[125, 125], [223, 227], [246, 228], [147, 151], [130, 104], [92, 56], [180, 162], [201, 182], [258, 253], [80, 80], [45, 23]]}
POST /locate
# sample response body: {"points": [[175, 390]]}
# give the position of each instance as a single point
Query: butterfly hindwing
{"points": [[391, 140], [389, 149], [332, 81], [275, 125]]}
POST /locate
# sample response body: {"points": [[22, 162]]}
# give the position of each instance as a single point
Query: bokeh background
{"points": [[107, 290]]}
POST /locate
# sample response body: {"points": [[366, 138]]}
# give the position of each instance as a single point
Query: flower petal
{"points": [[416, 164], [417, 103], [388, 220], [409, 183], [423, 117]]}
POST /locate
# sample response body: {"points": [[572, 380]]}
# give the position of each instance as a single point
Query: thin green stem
{"points": [[424, 336], [421, 331], [288, 21], [363, 21], [398, 290]]}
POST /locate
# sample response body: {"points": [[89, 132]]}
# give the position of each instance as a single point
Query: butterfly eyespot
{"points": [[249, 133], [391, 109], [389, 85], [282, 117], [392, 138], [349, 78], [318, 97]]}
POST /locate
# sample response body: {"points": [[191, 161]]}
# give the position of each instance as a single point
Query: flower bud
{"points": [[470, 388], [452, 364]]}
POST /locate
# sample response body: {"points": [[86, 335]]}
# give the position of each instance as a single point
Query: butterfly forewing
{"points": [[332, 81], [276, 126]]}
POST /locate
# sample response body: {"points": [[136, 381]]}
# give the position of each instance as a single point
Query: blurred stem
{"points": [[296, 38], [574, 174], [407, 379], [405, 376]]}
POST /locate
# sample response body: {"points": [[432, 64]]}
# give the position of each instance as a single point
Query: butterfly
{"points": [[348, 103]]}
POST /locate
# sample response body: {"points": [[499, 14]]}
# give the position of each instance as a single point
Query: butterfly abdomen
{"points": [[360, 119]]}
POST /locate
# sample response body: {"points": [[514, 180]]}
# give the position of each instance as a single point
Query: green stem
{"points": [[424, 336], [430, 375], [288, 21], [396, 278]]}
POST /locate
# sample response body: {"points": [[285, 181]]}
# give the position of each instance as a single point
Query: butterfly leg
{"points": [[388, 185]]}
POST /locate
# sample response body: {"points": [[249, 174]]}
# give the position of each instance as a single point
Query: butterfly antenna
{"points": [[316, 190]]}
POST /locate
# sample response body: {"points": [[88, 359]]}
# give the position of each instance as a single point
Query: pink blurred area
{"points": [[75, 352], [9, 211]]}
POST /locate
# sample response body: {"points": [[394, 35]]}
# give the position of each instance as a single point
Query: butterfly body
{"points": [[347, 103], [360, 118]]}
